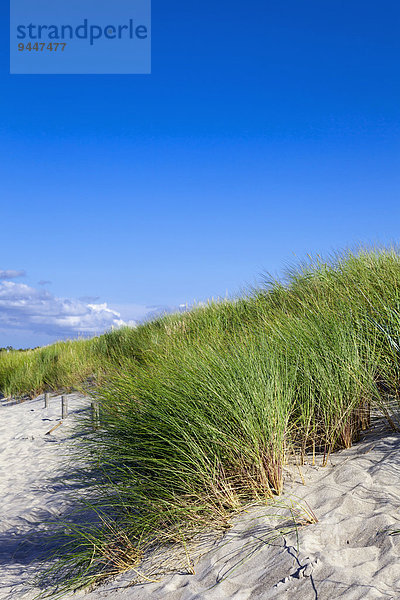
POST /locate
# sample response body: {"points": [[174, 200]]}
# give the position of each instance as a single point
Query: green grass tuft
{"points": [[201, 411]]}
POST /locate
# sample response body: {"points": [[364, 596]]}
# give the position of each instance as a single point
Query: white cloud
{"points": [[32, 316], [138, 313], [11, 274], [25, 308]]}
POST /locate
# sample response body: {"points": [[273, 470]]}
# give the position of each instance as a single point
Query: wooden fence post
{"points": [[46, 400], [64, 407]]}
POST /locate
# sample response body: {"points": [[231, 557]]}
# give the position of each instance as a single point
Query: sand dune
{"points": [[348, 553], [30, 462]]}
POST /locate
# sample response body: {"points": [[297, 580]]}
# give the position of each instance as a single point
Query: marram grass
{"points": [[201, 411]]}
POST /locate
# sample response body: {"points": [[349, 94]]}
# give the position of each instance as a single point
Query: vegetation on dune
{"points": [[201, 411], [63, 365]]}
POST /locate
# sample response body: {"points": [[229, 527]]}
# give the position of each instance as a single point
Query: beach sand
{"points": [[349, 553]]}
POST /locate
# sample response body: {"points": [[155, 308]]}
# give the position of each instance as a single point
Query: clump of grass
{"points": [[201, 411], [62, 365]]}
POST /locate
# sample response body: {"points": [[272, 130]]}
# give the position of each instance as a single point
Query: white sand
{"points": [[347, 554], [30, 461]]}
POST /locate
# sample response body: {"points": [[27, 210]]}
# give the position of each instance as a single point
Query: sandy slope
{"points": [[347, 554], [30, 462]]}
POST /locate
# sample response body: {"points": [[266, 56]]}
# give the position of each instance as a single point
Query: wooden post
{"points": [[95, 415], [64, 407], [55, 427], [46, 400]]}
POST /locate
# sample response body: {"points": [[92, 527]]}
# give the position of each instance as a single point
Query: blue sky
{"points": [[266, 131]]}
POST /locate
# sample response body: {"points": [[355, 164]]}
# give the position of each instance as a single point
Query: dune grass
{"points": [[201, 411], [63, 365], [74, 364]]}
